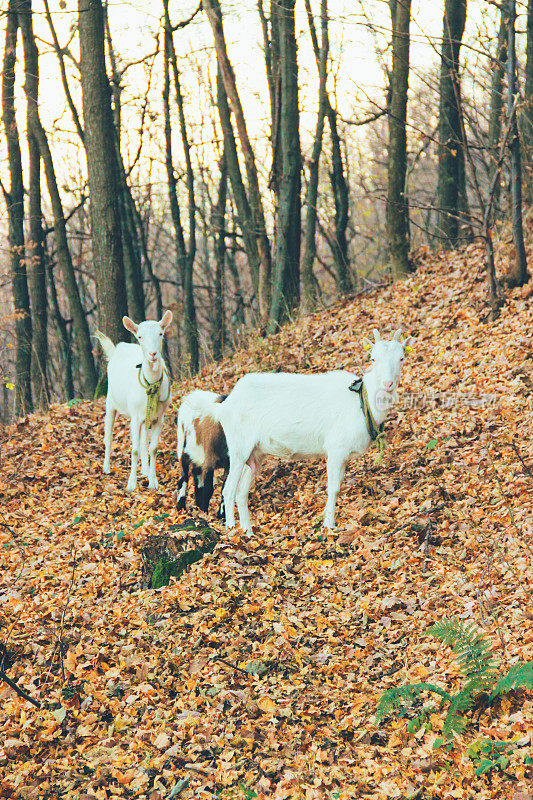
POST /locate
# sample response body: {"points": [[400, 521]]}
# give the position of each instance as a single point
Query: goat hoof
{"points": [[180, 506], [131, 487], [153, 485]]}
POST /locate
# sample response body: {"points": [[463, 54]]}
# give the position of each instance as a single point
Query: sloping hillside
{"points": [[258, 672]]}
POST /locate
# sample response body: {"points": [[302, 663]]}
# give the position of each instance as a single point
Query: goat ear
{"points": [[166, 319], [377, 335], [397, 335], [367, 344], [130, 325], [406, 345]]}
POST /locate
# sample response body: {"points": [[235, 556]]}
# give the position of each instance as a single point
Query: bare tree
{"points": [[339, 185], [527, 116], [34, 246], [397, 203], [451, 156], [219, 222], [309, 281], [104, 186], [185, 254], [14, 197], [518, 274], [286, 281], [496, 105], [214, 15]]}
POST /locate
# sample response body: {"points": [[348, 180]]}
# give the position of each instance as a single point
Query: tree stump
{"points": [[170, 554]]}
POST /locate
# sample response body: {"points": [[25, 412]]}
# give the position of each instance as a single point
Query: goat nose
{"points": [[152, 355], [388, 385]]}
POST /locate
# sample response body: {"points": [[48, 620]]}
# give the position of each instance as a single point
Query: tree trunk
{"points": [[286, 285], [271, 50], [309, 282], [102, 171], [518, 274], [496, 106], [214, 15], [219, 221], [527, 114], [397, 204], [244, 212], [341, 198], [15, 207], [64, 344], [239, 317], [34, 249], [339, 185], [64, 257], [185, 255], [130, 244], [450, 129]]}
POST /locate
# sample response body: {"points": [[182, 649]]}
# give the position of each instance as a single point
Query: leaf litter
{"points": [[258, 672]]}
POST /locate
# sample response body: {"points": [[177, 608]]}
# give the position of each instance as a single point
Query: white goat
{"points": [[202, 445], [297, 416], [139, 388]]}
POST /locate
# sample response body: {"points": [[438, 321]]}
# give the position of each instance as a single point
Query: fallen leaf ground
{"points": [[147, 692]]}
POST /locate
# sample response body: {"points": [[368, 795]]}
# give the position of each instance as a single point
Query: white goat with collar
{"points": [[132, 368], [298, 416]]}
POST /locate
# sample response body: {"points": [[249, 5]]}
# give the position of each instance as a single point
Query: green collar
{"points": [[376, 432], [152, 395]]}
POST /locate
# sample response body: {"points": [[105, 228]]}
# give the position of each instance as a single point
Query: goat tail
{"points": [[107, 345]]}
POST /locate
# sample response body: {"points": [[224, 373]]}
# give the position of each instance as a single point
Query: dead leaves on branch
{"points": [[257, 673]]}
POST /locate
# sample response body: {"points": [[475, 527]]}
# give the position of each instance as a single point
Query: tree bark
{"points": [[61, 325], [244, 212], [286, 284], [15, 207], [104, 187], [34, 248], [219, 219], [309, 282], [185, 254], [397, 203], [527, 114], [130, 243], [339, 186], [518, 274], [496, 106], [214, 15], [271, 50], [450, 129], [64, 257]]}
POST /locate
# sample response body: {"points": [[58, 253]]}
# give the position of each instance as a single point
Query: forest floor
{"points": [[258, 672]]}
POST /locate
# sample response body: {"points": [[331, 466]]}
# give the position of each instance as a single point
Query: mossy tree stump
{"points": [[170, 554]]}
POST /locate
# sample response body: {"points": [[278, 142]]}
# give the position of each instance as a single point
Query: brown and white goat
{"points": [[202, 446]]}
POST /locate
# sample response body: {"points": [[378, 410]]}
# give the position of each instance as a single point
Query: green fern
{"points": [[476, 662], [455, 721], [518, 675], [473, 652], [400, 697]]}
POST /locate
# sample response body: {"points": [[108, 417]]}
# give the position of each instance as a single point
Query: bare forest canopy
{"points": [[241, 163]]}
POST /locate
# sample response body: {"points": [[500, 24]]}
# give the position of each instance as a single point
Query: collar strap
{"points": [[376, 432], [152, 395]]}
